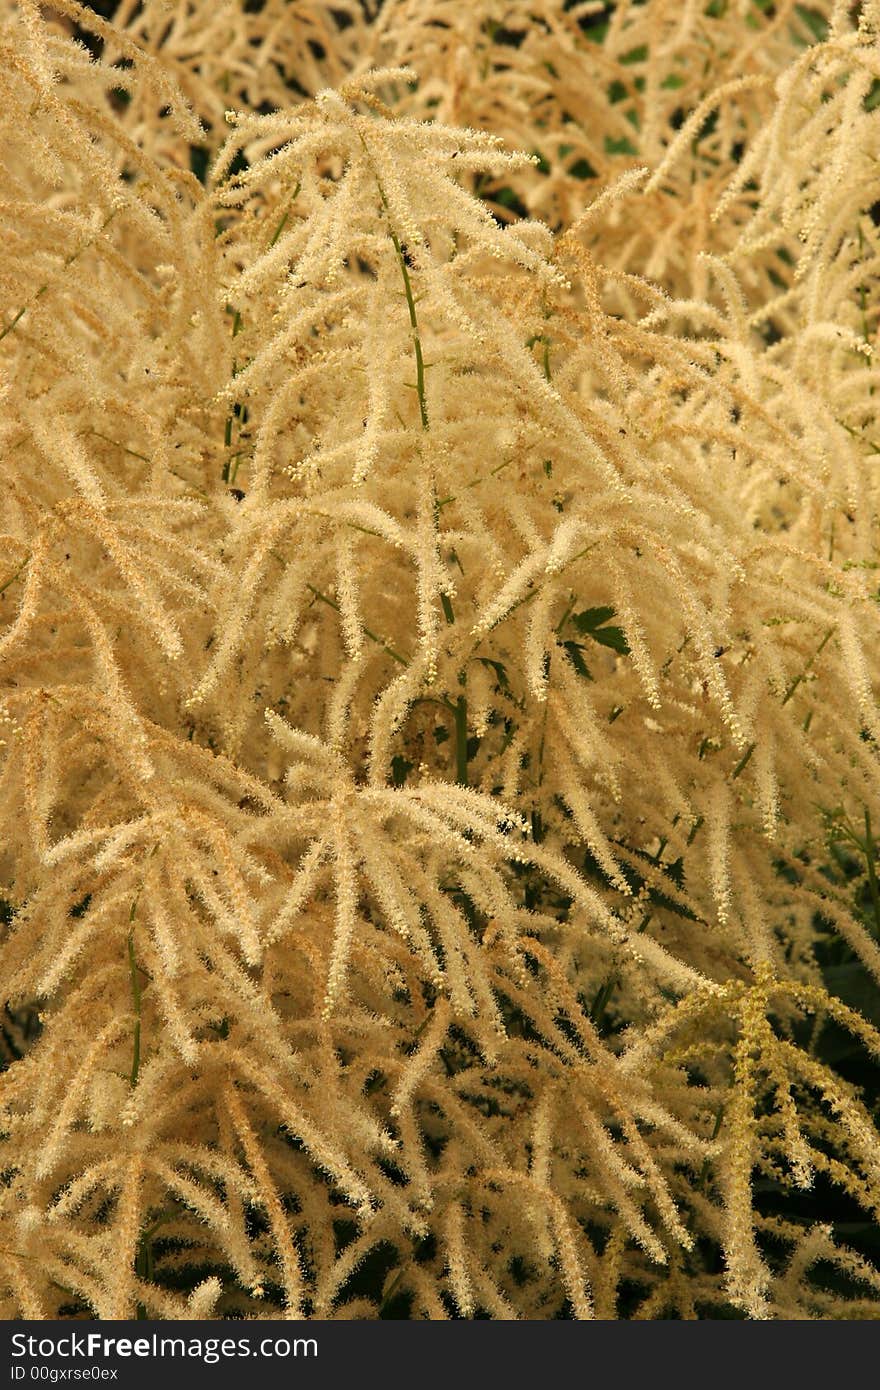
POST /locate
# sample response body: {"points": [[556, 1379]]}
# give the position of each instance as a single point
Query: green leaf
{"points": [[613, 637], [400, 769], [852, 983], [499, 669], [592, 624], [582, 169], [622, 146], [591, 618], [573, 651], [815, 22]]}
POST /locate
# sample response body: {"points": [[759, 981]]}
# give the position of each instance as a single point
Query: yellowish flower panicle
{"points": [[438, 641]]}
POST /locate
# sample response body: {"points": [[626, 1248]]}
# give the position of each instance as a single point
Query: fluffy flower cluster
{"points": [[438, 625]]}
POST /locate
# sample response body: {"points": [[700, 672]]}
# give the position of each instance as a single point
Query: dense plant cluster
{"points": [[439, 642]]}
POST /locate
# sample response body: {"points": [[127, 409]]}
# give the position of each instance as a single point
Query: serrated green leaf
{"points": [[499, 669], [400, 769], [591, 618], [573, 651], [591, 623]]}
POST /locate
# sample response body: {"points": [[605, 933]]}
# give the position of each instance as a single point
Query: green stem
{"points": [[410, 303], [461, 759], [566, 615], [116, 444], [136, 997], [475, 482], [11, 580], [716, 1130], [803, 675], [391, 1291], [601, 1001], [872, 870], [68, 261], [373, 636], [283, 223], [143, 1268], [228, 474], [545, 341], [414, 324], [743, 762]]}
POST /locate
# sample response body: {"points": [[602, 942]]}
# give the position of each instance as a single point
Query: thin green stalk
{"points": [[542, 743], [144, 1267], [283, 223], [391, 1290], [414, 324], [605, 991], [872, 871], [410, 303], [117, 445], [572, 600], [461, 758], [228, 474], [133, 969], [533, 593], [743, 762], [373, 636], [136, 997], [12, 578], [704, 1171], [475, 482], [68, 261], [21, 313], [805, 672], [602, 999]]}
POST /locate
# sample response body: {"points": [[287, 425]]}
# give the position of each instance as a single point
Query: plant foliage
{"points": [[439, 643]]}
